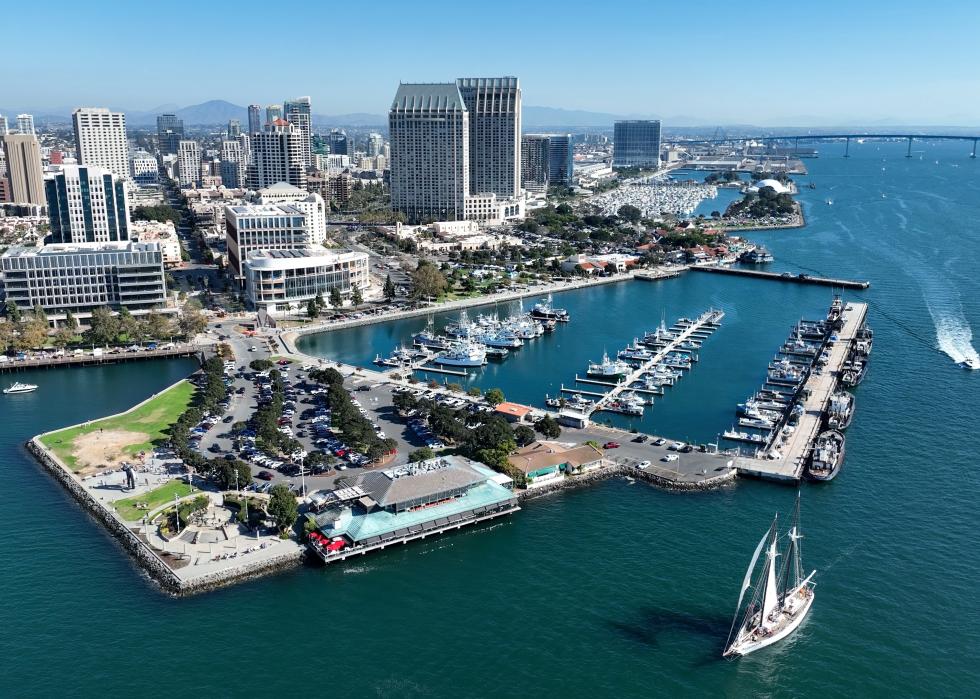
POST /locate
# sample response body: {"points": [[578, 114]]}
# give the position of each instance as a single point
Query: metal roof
{"points": [[428, 97]]}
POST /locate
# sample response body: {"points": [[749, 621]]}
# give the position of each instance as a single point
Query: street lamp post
{"points": [[177, 513]]}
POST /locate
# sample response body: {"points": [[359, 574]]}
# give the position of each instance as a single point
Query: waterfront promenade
{"points": [[90, 358]]}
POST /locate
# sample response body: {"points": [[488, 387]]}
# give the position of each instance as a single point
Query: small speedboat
{"points": [[971, 364], [18, 387]]}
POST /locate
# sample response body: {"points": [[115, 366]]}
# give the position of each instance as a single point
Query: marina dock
{"points": [[707, 320], [789, 463], [784, 277]]}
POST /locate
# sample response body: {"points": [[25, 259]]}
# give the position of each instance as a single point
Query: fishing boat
{"points": [[498, 353], [635, 352], [545, 311], [781, 599], [18, 387], [463, 353], [840, 411], [852, 373], [864, 341], [827, 456], [971, 364], [429, 340], [743, 436], [608, 369]]}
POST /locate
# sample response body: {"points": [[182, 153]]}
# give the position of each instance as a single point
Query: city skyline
{"points": [[638, 68]]}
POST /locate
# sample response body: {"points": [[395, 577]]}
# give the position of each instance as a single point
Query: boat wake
{"points": [[955, 338]]}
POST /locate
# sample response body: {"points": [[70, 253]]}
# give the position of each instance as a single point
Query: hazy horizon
{"points": [[714, 63]]}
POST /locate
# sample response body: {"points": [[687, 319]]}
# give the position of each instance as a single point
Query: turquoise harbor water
{"points": [[615, 590]]}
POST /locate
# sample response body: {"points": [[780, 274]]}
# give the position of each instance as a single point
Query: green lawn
{"points": [[129, 511], [151, 420]]}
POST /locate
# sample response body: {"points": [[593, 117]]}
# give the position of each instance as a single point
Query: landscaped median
{"points": [[108, 442]]}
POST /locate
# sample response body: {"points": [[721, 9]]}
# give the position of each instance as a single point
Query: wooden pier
{"points": [[784, 277], [789, 458]]}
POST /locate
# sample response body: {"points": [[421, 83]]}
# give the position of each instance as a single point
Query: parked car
{"points": [[671, 457], [264, 475], [659, 442], [611, 445]]}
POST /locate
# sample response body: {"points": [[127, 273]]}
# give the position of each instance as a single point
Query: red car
{"points": [[611, 445], [264, 475], [283, 362]]}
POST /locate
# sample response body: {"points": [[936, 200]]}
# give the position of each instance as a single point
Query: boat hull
{"points": [[750, 646]]}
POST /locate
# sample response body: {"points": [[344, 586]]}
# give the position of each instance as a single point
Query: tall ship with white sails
{"points": [[782, 596]]}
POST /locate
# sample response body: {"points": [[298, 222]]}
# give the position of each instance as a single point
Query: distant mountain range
{"points": [[218, 112]]}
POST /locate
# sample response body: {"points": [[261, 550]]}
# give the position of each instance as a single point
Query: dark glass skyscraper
{"points": [[170, 131], [636, 144], [254, 118]]}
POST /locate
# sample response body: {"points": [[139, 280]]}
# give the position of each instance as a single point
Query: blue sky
{"points": [[785, 63]]}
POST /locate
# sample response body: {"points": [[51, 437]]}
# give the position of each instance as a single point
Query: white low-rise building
{"points": [[162, 233], [491, 209], [311, 204], [284, 281]]}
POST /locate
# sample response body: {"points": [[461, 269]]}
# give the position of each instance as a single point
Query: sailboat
{"points": [[781, 599]]}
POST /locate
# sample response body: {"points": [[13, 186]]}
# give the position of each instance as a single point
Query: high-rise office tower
{"points": [[100, 139], [276, 156], [298, 112], [636, 143], [272, 113], [86, 204], [546, 160], [494, 106], [234, 129], [233, 164], [3, 125], [189, 163], [170, 130], [24, 169], [338, 143], [25, 123], [428, 125], [254, 118], [375, 142], [246, 145]]}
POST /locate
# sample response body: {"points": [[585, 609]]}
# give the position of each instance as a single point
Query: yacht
{"points": [[827, 456], [18, 387], [781, 598], [463, 353], [635, 352], [609, 369], [545, 311]]}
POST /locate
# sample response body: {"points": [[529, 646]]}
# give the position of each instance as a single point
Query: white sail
{"points": [[748, 574], [770, 599]]}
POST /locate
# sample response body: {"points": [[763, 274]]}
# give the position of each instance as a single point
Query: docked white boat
{"points": [[609, 369], [18, 387], [781, 599], [464, 353]]}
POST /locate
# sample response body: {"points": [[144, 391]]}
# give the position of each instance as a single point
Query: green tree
{"points": [[523, 435], [548, 427], [427, 280], [127, 324], [13, 312], [356, 296], [473, 391], [389, 289], [312, 310], [103, 327], [157, 326], [494, 396], [282, 507], [63, 336], [7, 336], [32, 333], [192, 319], [421, 454], [630, 213], [336, 300], [320, 303]]}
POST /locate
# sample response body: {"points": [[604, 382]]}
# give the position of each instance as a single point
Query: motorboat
{"points": [[609, 369], [18, 387], [840, 411], [463, 353], [827, 456]]}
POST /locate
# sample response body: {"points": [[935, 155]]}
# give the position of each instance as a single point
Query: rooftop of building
{"points": [[263, 209], [72, 248], [285, 259], [428, 96], [512, 409], [482, 489], [539, 455]]}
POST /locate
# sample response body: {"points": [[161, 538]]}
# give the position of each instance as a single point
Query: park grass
{"points": [[129, 511], [150, 422]]}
